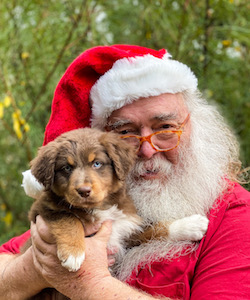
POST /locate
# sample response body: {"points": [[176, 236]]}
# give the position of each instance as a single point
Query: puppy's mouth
{"points": [[84, 202]]}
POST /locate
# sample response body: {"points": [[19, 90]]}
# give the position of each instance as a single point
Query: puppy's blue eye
{"points": [[97, 165]]}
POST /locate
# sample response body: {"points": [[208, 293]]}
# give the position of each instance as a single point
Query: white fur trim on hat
{"points": [[133, 78], [31, 186]]}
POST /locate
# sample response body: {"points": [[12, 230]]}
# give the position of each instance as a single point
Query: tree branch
{"points": [[57, 62]]}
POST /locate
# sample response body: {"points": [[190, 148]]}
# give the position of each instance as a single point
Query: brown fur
{"points": [[73, 187], [64, 168]]}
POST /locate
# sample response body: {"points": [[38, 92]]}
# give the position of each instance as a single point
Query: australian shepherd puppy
{"points": [[84, 173]]}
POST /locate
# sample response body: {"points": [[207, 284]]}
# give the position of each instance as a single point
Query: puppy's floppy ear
{"points": [[43, 165], [121, 153]]}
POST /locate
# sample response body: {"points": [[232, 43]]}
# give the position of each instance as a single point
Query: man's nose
{"points": [[146, 150]]}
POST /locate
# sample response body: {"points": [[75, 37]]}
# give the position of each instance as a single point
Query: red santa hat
{"points": [[105, 78]]}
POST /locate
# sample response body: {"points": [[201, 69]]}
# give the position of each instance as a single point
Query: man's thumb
{"points": [[105, 231]]}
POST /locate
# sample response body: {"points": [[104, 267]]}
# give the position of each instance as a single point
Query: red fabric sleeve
{"points": [[13, 246], [223, 268]]}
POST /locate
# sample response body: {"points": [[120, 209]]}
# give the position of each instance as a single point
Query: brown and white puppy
{"points": [[83, 172]]}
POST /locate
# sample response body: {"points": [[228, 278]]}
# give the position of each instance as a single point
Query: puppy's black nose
{"points": [[84, 191]]}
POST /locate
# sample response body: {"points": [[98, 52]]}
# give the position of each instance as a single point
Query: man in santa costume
{"points": [[139, 91]]}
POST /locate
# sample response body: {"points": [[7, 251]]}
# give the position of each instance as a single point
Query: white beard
{"points": [[188, 188], [181, 191]]}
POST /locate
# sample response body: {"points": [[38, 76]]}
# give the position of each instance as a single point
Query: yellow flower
{"points": [[16, 114], [17, 129], [25, 55], [8, 219], [1, 110], [26, 127], [7, 101], [3, 206], [22, 121], [226, 43]]}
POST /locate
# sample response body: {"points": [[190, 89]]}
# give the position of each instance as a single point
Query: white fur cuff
{"points": [[133, 78], [31, 186]]}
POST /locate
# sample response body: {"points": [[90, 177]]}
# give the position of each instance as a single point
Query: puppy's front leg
{"points": [[191, 228], [69, 235], [152, 232]]}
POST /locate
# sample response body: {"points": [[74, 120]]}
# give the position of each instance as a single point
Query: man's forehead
{"points": [[162, 107], [121, 121], [165, 116]]}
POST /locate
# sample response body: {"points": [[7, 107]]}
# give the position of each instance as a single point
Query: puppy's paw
{"points": [[70, 261], [191, 228]]}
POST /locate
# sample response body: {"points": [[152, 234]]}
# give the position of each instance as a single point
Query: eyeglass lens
{"points": [[161, 141]]}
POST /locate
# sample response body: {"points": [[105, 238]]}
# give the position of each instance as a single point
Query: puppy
{"points": [[84, 172]]}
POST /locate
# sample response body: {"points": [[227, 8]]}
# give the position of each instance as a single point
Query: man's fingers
{"points": [[91, 230], [43, 230], [40, 243], [111, 261], [112, 251], [105, 231]]}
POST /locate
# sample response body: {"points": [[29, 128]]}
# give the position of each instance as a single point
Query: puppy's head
{"points": [[122, 155], [84, 166]]}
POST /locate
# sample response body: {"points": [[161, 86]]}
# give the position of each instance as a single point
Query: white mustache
{"points": [[154, 165]]}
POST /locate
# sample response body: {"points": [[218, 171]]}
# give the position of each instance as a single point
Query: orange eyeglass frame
{"points": [[147, 138]]}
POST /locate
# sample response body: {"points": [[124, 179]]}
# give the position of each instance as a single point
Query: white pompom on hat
{"points": [[31, 186]]}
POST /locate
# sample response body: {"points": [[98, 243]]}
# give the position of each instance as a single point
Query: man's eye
{"points": [[123, 132], [168, 126], [127, 131], [97, 165]]}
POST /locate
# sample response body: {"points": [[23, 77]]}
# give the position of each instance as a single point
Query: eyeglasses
{"points": [[161, 141]]}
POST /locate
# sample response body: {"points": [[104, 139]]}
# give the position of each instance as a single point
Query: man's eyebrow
{"points": [[165, 117], [118, 123]]}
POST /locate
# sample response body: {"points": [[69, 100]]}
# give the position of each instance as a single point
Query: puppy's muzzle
{"points": [[84, 191]]}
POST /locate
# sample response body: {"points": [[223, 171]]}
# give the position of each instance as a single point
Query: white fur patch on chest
{"points": [[123, 225]]}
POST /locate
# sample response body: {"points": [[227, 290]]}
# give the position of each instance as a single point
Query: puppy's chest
{"points": [[97, 215], [123, 225]]}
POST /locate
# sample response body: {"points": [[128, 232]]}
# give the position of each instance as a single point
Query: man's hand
{"points": [[92, 279], [94, 268]]}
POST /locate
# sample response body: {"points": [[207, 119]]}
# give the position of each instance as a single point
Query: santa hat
{"points": [[105, 78], [109, 77]]}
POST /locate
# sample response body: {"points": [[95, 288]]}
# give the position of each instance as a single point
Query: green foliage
{"points": [[39, 39]]}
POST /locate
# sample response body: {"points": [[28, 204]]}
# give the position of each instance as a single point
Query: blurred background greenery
{"points": [[39, 39]]}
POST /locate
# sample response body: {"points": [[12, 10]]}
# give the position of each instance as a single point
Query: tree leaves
{"points": [[39, 39]]}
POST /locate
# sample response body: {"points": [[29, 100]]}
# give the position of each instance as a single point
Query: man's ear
{"points": [[43, 165], [121, 153]]}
